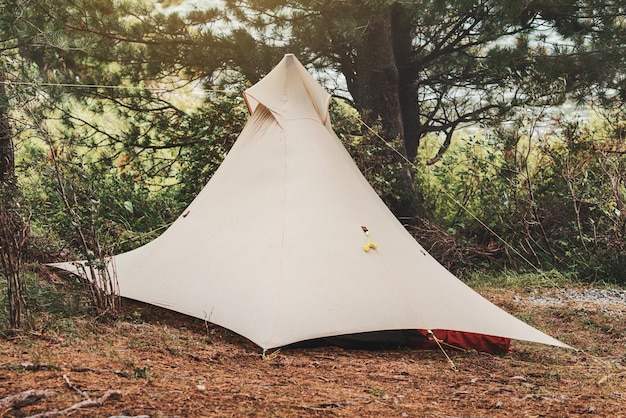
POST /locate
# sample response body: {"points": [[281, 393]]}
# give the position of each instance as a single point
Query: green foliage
{"points": [[48, 305], [554, 193], [123, 212], [120, 190], [142, 372]]}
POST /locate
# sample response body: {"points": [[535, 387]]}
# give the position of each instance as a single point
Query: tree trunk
{"points": [[378, 78], [378, 98], [12, 240], [407, 83], [7, 161], [13, 232]]}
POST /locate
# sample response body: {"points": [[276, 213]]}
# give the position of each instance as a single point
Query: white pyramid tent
{"points": [[273, 247]]}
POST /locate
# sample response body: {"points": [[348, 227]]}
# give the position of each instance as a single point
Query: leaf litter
{"points": [[159, 363]]}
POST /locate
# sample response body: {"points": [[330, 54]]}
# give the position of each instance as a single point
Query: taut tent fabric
{"points": [[273, 247]]}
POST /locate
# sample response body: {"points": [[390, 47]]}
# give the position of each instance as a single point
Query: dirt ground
{"points": [[160, 364]]}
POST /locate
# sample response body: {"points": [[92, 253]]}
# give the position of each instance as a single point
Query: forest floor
{"points": [[161, 364]]}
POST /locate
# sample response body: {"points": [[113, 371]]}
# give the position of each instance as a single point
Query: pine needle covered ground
{"points": [[161, 364]]}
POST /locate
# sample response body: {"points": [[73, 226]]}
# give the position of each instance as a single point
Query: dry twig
{"points": [[74, 388]]}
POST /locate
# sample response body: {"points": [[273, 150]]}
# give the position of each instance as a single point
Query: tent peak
{"points": [[290, 92]]}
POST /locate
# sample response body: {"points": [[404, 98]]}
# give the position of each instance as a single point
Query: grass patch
{"points": [[50, 306], [509, 279]]}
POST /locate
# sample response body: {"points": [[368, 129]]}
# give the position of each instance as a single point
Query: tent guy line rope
{"points": [[107, 86], [438, 341], [460, 204]]}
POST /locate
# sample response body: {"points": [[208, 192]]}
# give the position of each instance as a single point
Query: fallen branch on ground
{"points": [[31, 367], [98, 371], [89, 403], [28, 397], [74, 388]]}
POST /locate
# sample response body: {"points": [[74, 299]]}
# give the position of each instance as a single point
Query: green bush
{"points": [[48, 304], [556, 196]]}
